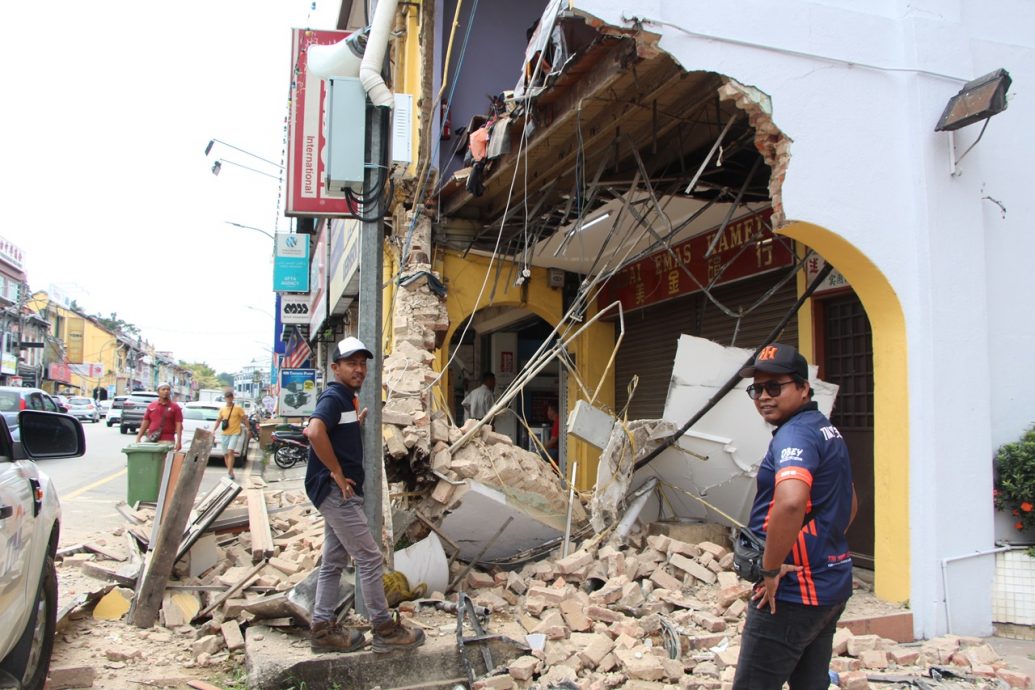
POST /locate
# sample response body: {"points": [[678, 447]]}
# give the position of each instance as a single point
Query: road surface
{"points": [[90, 486]]}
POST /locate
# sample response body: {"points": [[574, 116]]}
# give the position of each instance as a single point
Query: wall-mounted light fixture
{"points": [[978, 100]]}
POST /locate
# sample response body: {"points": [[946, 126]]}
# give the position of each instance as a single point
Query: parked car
{"points": [[61, 407], [115, 411], [102, 407], [84, 408], [29, 519], [14, 399], [133, 408], [202, 415]]}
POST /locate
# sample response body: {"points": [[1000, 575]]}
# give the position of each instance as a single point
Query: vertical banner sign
{"points": [[307, 140], [297, 392], [291, 263]]}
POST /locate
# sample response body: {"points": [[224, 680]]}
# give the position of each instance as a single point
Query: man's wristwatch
{"points": [[769, 573]]}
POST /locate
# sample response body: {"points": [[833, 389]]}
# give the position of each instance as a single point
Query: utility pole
{"points": [[371, 278]]}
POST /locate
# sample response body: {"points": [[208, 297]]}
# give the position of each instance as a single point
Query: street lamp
{"points": [[218, 165], [267, 233], [212, 142]]}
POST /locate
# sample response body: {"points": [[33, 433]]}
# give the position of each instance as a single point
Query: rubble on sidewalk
{"points": [[653, 612]]}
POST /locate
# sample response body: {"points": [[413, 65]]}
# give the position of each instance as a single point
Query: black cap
{"points": [[778, 359]]}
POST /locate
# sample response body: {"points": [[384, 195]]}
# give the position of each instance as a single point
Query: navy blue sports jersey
{"points": [[809, 448], [337, 407]]}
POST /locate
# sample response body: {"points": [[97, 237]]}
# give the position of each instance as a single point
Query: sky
{"points": [[107, 189]]}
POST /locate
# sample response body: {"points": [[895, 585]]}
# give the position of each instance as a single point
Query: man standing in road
{"points": [[479, 401], [231, 420], [334, 483], [805, 502], [163, 418]]}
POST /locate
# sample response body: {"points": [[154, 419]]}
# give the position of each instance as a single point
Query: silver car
{"points": [[84, 408]]}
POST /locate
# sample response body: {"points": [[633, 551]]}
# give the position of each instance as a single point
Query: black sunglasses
{"points": [[772, 388]]}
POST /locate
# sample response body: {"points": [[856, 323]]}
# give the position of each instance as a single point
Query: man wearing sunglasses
{"points": [[804, 503]]}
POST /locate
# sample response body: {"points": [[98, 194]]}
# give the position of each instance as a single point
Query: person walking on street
{"points": [[804, 503], [479, 401], [231, 420], [334, 484], [163, 419]]}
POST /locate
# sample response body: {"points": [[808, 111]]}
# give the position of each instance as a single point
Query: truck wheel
{"points": [[29, 661]]}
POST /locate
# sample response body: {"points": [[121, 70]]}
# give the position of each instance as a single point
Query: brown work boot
{"points": [[328, 636], [393, 635]]}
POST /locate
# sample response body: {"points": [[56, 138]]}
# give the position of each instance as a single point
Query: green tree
{"points": [[226, 379], [204, 374], [116, 325]]}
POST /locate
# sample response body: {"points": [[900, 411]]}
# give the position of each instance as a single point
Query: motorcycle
{"points": [[290, 447]]}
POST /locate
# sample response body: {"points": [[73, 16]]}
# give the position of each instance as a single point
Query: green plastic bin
{"points": [[144, 465]]}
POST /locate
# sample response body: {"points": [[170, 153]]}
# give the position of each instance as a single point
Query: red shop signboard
{"points": [[748, 247]]}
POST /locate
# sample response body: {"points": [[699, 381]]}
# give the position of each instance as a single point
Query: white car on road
{"points": [[30, 517], [203, 415], [84, 408]]}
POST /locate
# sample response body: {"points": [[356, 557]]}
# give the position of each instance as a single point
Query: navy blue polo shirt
{"points": [[337, 407], [809, 448]]}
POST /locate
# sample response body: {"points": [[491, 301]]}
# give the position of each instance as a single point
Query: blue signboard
{"points": [[291, 263]]}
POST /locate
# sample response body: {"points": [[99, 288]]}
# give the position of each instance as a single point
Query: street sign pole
{"points": [[371, 278]]}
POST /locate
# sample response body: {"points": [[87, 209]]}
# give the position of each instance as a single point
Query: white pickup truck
{"points": [[30, 518]]}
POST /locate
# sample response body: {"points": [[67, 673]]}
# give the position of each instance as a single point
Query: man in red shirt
{"points": [[165, 416]]}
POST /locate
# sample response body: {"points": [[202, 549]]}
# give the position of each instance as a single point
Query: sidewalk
{"points": [[1019, 654]]}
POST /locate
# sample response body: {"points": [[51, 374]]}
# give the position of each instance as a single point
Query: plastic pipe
{"points": [[945, 576], [374, 55]]}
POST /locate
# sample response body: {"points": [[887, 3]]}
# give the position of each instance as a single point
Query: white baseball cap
{"points": [[350, 346]]}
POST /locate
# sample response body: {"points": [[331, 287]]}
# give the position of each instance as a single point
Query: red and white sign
{"points": [[747, 248], [306, 195]]}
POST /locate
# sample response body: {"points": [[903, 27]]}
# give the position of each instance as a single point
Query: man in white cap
{"points": [[334, 483], [163, 419]]}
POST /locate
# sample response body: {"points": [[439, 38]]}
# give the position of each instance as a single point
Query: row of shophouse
{"points": [[641, 172], [49, 344]]}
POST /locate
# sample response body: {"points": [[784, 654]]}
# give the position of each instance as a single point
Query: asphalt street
{"points": [[91, 485]]}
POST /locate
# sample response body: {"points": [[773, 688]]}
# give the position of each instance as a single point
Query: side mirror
{"points": [[50, 435]]}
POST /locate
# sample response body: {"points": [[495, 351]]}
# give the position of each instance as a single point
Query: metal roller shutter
{"points": [[651, 335], [648, 349], [754, 327]]}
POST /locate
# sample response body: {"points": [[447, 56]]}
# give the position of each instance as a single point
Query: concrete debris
{"points": [[604, 612]]}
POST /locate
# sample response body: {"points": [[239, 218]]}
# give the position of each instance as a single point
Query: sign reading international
{"points": [[291, 263], [306, 155], [297, 392], [747, 247]]}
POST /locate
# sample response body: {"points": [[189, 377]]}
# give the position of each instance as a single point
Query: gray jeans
{"points": [[346, 532]]}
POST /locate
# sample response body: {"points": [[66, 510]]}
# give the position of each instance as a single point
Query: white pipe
{"points": [[945, 577], [571, 500], [374, 55]]}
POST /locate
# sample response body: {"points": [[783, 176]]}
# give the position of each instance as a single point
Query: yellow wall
{"points": [[890, 400], [464, 278], [408, 72]]}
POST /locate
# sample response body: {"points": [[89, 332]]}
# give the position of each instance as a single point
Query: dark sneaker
{"points": [[328, 636], [393, 635]]}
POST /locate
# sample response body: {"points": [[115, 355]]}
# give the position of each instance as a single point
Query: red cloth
{"points": [[555, 431], [167, 416]]}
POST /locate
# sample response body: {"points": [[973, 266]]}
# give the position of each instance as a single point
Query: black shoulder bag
{"points": [[226, 422]]}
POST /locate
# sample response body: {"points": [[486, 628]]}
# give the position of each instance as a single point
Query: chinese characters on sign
{"points": [[834, 281], [747, 247]]}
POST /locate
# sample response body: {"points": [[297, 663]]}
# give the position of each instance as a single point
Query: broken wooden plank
{"points": [[70, 550], [121, 577], [131, 515], [250, 577], [170, 533], [211, 507], [259, 524], [101, 551]]}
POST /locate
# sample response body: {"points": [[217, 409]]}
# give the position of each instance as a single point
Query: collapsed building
{"points": [[620, 175]]}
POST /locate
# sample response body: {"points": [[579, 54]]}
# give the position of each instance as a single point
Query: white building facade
{"points": [[939, 254]]}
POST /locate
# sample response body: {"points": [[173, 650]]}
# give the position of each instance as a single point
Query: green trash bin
{"points": [[144, 465]]}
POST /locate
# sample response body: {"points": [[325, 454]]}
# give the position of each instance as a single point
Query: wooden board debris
{"points": [[259, 525]]}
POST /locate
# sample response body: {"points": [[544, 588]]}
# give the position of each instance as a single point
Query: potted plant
{"points": [[1014, 492]]}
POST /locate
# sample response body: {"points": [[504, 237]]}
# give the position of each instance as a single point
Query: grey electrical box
{"points": [[346, 134]]}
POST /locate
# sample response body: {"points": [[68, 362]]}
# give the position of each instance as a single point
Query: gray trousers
{"points": [[345, 533]]}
